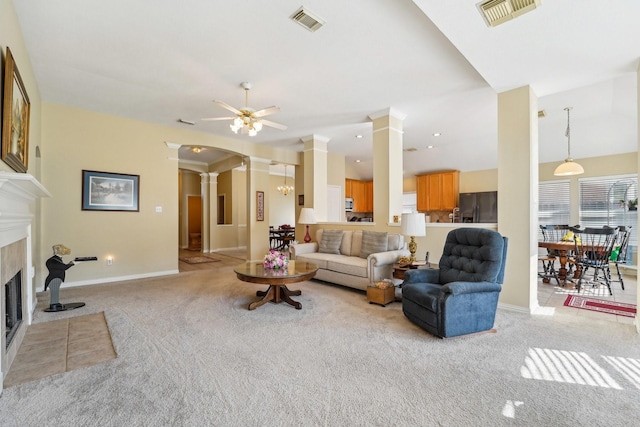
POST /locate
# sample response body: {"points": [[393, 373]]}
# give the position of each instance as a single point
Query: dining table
{"points": [[563, 249], [281, 238]]}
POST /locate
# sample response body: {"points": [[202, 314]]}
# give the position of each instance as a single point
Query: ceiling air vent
{"points": [[496, 12], [307, 19]]}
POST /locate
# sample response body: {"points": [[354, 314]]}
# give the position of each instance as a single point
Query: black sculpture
{"points": [[54, 280]]}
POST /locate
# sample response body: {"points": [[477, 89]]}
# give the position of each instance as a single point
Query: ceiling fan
{"points": [[248, 120]]}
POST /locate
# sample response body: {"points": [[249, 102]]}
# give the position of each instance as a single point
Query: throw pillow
{"points": [[330, 242], [373, 242]]}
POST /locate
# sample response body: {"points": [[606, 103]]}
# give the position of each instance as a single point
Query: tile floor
{"points": [[552, 295], [59, 346]]}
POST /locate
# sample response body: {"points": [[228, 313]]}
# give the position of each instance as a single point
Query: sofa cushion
{"points": [[373, 242], [330, 242], [356, 243], [394, 242], [352, 265], [315, 258], [347, 239]]}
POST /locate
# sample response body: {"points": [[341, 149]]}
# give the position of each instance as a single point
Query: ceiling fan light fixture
{"points": [[234, 128]]}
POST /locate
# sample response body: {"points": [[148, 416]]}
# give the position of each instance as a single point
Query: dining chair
{"points": [[593, 250], [547, 260], [620, 251]]}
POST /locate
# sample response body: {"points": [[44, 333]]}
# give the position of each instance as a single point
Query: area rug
{"points": [[59, 346], [197, 259], [603, 306]]}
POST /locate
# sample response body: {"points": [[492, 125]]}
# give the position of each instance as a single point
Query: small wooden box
{"points": [[381, 296]]}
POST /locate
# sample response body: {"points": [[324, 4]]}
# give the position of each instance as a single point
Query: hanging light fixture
{"points": [[247, 117], [285, 189], [569, 167]]}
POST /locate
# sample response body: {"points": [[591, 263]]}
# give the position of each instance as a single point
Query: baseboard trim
{"points": [[514, 308], [119, 278]]}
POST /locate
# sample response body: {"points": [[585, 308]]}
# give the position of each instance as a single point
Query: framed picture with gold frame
{"points": [[15, 120], [259, 205]]}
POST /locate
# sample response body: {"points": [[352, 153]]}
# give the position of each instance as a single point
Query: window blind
{"points": [[604, 201], [553, 203]]}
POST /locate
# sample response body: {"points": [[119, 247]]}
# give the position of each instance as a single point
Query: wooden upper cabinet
{"points": [[437, 191], [368, 196], [348, 188], [362, 194]]}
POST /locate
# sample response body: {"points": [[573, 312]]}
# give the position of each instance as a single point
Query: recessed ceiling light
{"points": [[196, 149], [429, 146], [437, 134], [359, 136], [357, 161]]}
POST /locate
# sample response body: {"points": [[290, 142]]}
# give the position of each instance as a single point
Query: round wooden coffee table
{"points": [[254, 272]]}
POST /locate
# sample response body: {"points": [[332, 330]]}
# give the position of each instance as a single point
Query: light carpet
{"points": [[600, 305], [191, 354]]}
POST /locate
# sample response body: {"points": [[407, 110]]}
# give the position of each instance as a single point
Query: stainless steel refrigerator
{"points": [[479, 207]]}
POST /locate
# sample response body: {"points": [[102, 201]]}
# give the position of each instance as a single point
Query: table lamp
{"points": [[307, 216], [413, 225]]}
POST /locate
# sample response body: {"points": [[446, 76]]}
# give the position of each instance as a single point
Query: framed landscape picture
{"points": [[106, 191], [15, 120]]}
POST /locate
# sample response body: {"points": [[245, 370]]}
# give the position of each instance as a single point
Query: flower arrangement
{"points": [[275, 259]]}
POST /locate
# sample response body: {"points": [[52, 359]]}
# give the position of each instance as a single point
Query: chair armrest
{"points": [[422, 275], [302, 248], [459, 288]]}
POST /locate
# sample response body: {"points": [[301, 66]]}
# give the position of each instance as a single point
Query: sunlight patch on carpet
{"points": [[565, 367]]}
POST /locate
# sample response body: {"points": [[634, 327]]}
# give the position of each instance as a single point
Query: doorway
{"points": [[194, 222]]}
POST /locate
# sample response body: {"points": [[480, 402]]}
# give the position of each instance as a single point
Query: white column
{"points": [[209, 195], [387, 164], [518, 189], [315, 175]]}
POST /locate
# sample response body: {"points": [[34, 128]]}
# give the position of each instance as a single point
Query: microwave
{"points": [[348, 204]]}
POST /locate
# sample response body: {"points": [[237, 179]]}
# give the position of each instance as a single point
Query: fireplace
{"points": [[13, 306], [19, 193]]}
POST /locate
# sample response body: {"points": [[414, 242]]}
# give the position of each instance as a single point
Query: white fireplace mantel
{"points": [[18, 192]]}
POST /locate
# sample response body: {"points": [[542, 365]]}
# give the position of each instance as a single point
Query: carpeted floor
{"points": [[191, 354]]}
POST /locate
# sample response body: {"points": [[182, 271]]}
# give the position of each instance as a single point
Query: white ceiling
{"points": [[164, 60]]}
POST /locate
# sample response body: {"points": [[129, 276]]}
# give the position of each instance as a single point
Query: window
{"points": [[605, 201], [554, 203]]}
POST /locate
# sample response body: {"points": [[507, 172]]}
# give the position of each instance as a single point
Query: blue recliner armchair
{"points": [[461, 296]]}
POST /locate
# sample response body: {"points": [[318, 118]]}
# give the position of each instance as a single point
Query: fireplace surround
{"points": [[18, 195]]}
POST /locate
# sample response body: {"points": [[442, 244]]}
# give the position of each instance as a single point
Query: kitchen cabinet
{"points": [[437, 191], [362, 194]]}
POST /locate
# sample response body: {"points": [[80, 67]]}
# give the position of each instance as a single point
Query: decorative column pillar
{"points": [[209, 195], [387, 164], [518, 184], [315, 175]]}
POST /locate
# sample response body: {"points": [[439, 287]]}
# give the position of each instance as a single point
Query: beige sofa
{"points": [[347, 267]]}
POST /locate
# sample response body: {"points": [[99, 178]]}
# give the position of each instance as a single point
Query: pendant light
{"points": [[569, 167], [285, 189]]}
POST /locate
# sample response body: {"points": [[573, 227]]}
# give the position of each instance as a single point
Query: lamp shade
{"points": [[568, 168], [307, 216], [413, 224]]}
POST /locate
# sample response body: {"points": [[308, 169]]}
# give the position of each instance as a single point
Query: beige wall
{"points": [[225, 186], [141, 243], [282, 209], [11, 36]]}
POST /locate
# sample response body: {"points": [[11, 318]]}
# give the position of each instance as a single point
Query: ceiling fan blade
{"points": [[227, 106], [208, 119], [266, 111], [273, 124]]}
